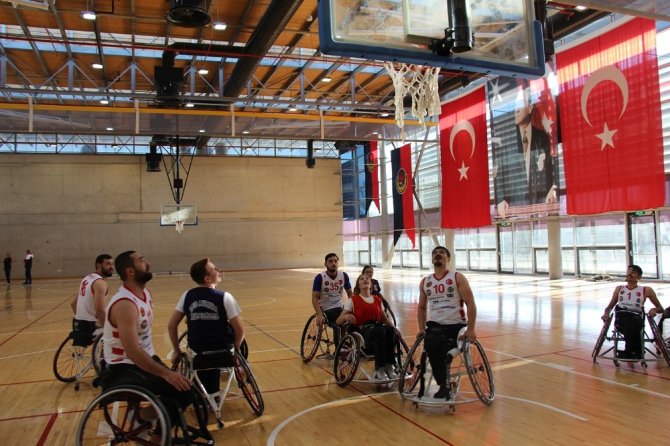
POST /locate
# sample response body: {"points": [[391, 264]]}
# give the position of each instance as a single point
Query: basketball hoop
{"points": [[421, 83], [179, 226]]}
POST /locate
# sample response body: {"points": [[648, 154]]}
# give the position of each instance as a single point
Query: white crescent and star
{"points": [[462, 126], [615, 75]]}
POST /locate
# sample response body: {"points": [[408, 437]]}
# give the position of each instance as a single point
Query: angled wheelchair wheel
{"points": [[661, 346], [411, 369], [311, 337], [346, 361], [70, 360], [192, 425], [389, 312], [601, 338], [247, 382], [124, 415], [479, 371], [97, 355]]}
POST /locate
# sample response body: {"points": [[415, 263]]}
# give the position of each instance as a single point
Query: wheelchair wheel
{"points": [[70, 360], [245, 379], [183, 344], [389, 312], [601, 338], [124, 415], [346, 361], [479, 371], [311, 337], [658, 340], [193, 422], [411, 369], [97, 356]]}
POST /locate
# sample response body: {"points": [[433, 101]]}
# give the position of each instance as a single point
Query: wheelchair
{"points": [[132, 415], [317, 339], [79, 353], [351, 351], [607, 345], [468, 358], [231, 364], [183, 344]]}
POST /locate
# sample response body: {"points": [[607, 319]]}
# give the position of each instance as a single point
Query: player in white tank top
{"points": [[445, 305], [114, 351], [89, 302]]}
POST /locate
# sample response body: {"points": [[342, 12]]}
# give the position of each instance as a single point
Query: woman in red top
{"points": [[364, 310]]}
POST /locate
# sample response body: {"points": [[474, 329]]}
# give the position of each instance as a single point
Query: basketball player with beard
{"points": [[441, 316], [88, 304]]}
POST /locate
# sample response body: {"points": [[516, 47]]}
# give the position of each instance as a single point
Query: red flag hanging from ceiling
{"points": [[611, 119], [403, 194], [371, 175], [465, 168]]}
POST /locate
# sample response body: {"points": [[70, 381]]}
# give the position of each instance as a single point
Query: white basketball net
{"points": [[421, 83], [179, 226]]}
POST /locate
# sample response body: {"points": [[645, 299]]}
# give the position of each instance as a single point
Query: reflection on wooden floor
{"points": [[538, 335]]}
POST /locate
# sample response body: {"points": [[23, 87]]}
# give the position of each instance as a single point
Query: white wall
{"points": [[253, 212]]}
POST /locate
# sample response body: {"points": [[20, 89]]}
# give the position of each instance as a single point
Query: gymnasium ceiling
{"points": [[266, 62]]}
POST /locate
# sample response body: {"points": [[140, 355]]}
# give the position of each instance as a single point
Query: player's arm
{"points": [[347, 285], [613, 301], [123, 315], [421, 310], [173, 333], [651, 295], [238, 328], [468, 298], [316, 299], [99, 289], [73, 304], [347, 314]]}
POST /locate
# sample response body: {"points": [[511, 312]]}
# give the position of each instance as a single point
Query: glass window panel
{"points": [[462, 259], [506, 249], [541, 260], [567, 233], [523, 260], [602, 261], [540, 234], [482, 260], [568, 261]]}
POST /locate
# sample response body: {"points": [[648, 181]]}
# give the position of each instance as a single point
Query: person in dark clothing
{"points": [[8, 268], [28, 264]]}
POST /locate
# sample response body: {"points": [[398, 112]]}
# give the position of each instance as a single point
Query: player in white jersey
{"points": [[327, 293], [440, 314], [128, 347], [628, 303], [89, 302]]}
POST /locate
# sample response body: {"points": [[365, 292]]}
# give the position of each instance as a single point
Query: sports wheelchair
{"points": [[468, 358], [132, 415], [231, 364], [79, 353], [351, 350], [320, 338], [607, 345]]}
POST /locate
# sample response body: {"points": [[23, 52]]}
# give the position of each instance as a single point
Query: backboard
{"points": [[507, 38], [172, 213]]}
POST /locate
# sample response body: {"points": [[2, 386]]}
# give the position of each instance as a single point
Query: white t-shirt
{"points": [[229, 303]]}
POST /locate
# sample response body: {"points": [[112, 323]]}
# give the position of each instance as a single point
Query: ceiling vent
{"points": [[189, 13]]}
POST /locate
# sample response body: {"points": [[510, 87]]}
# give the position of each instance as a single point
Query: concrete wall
{"points": [[253, 212]]}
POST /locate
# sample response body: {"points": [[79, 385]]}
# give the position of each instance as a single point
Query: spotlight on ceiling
{"points": [[96, 66], [220, 26], [189, 13], [88, 15], [203, 71]]}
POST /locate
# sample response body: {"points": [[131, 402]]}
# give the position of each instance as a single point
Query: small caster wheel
{"points": [[76, 387]]}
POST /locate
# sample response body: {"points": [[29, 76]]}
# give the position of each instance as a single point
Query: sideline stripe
{"points": [[34, 321], [47, 429]]}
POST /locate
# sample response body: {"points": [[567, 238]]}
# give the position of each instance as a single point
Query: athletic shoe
{"points": [[442, 393], [390, 372], [379, 375]]}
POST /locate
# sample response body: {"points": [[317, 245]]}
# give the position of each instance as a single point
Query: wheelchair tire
{"points": [[411, 369], [247, 382], [114, 417], [389, 312], [658, 340], [311, 338], [183, 344], [347, 357], [70, 360], [193, 423], [97, 356], [601, 338], [479, 371]]}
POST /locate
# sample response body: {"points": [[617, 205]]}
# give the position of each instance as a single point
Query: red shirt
{"points": [[365, 312]]}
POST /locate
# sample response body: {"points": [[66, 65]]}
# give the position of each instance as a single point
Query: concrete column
{"points": [[554, 247], [386, 245]]}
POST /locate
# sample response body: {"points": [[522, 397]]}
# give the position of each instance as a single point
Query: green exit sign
{"points": [[642, 213]]}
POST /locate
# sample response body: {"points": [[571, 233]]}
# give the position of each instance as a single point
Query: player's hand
{"points": [[420, 333], [605, 316], [320, 319], [175, 355], [177, 380], [470, 334]]}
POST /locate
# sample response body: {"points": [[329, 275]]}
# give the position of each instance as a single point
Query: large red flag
{"points": [[403, 194], [611, 121], [465, 168], [371, 175]]}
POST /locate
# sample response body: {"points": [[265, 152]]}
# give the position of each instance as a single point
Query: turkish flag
{"points": [[611, 119], [371, 175], [465, 168], [403, 194]]}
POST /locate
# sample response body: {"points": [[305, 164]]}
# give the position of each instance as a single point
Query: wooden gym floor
{"points": [[538, 335]]}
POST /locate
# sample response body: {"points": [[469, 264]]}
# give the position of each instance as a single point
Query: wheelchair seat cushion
{"points": [[214, 359], [82, 332]]}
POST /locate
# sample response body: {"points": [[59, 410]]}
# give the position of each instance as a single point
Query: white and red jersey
{"points": [[445, 305], [113, 349], [631, 299], [85, 302], [331, 290]]}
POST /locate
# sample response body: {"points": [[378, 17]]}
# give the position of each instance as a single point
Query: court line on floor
{"points": [[33, 322]]}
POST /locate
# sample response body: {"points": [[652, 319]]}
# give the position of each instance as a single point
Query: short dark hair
{"points": [[199, 271], [637, 269], [366, 267], [331, 254], [440, 247], [101, 258], [123, 261]]}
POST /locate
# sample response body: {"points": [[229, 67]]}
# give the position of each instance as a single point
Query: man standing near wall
{"points": [[28, 263]]}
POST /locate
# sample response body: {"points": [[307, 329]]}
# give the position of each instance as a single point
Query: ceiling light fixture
{"points": [[385, 115], [104, 101], [326, 79], [96, 66], [246, 132], [580, 8], [203, 71], [202, 130], [110, 129], [220, 26], [88, 15], [189, 105], [292, 109]]}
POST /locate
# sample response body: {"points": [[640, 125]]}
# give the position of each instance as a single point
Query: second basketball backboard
{"points": [[507, 39]]}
